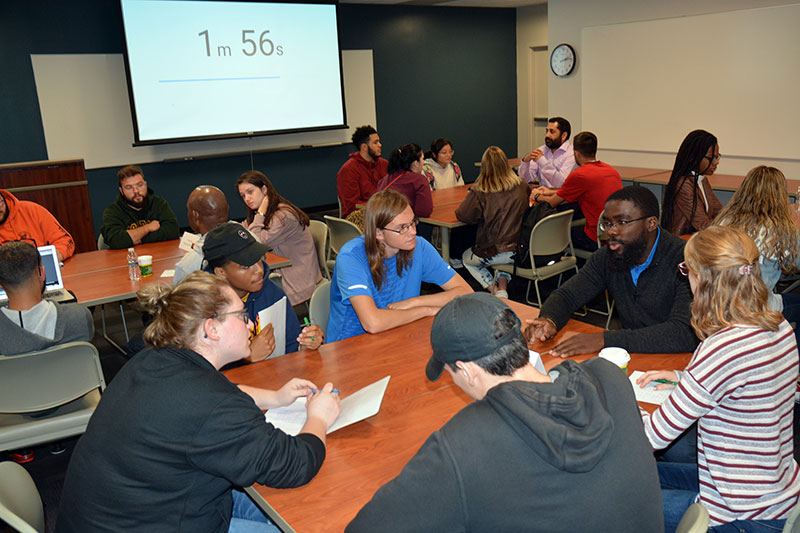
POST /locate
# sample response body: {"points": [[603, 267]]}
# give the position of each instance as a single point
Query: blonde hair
{"points": [[496, 174], [180, 310], [382, 208], [729, 288], [760, 208]]}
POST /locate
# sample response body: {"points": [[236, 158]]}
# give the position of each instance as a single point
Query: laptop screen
{"points": [[52, 270]]}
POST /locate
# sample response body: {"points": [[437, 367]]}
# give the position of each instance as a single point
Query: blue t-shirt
{"points": [[352, 277]]}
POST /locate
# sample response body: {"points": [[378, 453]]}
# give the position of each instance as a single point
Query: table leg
{"points": [[446, 244]]}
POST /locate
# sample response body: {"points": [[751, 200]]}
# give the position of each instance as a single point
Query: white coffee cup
{"points": [[146, 265], [618, 356]]}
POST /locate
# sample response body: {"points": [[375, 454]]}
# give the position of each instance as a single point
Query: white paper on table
{"points": [[536, 360], [275, 314], [648, 394], [188, 240], [358, 406], [169, 273]]}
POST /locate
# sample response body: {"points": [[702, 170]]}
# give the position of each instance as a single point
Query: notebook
{"points": [[54, 285]]}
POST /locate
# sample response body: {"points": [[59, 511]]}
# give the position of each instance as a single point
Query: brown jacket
{"points": [[682, 219], [498, 216]]}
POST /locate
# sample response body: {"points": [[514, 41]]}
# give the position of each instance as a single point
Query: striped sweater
{"points": [[739, 386]]}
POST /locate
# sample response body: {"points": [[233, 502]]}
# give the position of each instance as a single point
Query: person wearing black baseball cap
{"points": [[232, 253], [534, 452]]}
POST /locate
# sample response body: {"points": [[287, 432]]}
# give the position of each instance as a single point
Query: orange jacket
{"points": [[32, 222]]}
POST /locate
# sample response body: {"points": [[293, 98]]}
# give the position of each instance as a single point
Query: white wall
{"points": [[566, 20], [531, 31]]}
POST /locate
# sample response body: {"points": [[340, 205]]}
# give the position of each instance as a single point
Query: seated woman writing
{"points": [[739, 386], [233, 254], [173, 441], [377, 278]]}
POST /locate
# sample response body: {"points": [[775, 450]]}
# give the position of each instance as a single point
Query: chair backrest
{"points": [[320, 305], [36, 381], [340, 231], [601, 235], [101, 243], [792, 524], [277, 279], [695, 520], [319, 232], [551, 235], [20, 504], [340, 205]]}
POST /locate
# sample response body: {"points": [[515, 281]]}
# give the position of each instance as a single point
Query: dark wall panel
{"points": [[438, 72]]}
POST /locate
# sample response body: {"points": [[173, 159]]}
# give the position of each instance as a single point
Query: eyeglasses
{"points": [[405, 228], [713, 159], [137, 186], [606, 225], [241, 313], [683, 269], [445, 152]]}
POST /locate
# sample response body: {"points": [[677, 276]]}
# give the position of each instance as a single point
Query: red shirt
{"points": [[357, 180], [590, 186]]}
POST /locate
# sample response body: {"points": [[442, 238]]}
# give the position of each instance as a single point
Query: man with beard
{"points": [[358, 178], [639, 268], [21, 220], [552, 162], [138, 215], [28, 322]]}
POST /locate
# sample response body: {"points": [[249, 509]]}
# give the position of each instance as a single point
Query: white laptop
{"points": [[53, 286]]}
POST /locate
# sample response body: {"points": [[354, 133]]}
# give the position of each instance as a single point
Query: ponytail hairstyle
{"points": [[180, 310], [729, 290], [276, 201], [402, 158]]}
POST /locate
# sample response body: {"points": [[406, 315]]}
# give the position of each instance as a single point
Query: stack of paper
{"points": [[648, 394]]}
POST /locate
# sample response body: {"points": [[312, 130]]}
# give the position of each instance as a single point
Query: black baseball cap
{"points": [[463, 330], [233, 242]]}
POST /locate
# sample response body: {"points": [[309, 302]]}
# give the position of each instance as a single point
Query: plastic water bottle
{"points": [[133, 265]]}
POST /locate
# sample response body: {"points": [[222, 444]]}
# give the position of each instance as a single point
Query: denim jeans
{"points": [[476, 266], [247, 517], [679, 490]]}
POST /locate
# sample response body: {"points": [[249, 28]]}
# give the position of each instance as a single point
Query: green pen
{"points": [[307, 323], [666, 382]]}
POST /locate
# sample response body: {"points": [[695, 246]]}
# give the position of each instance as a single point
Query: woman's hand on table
{"points": [[654, 375], [293, 389], [311, 337]]}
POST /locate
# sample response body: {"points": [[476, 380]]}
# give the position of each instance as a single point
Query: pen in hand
{"points": [[666, 382], [307, 323], [333, 391]]}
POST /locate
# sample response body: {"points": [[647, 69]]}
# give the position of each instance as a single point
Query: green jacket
{"points": [[120, 217]]}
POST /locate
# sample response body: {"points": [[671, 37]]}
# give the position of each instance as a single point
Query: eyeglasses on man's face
{"points": [[607, 225], [136, 186], [405, 228]]}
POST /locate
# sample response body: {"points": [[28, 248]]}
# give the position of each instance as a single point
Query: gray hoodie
{"points": [[564, 456]]}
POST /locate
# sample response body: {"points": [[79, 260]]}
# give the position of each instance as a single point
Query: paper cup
{"points": [[618, 356], [146, 265]]}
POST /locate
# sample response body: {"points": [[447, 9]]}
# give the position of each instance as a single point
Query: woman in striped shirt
{"points": [[739, 387]]}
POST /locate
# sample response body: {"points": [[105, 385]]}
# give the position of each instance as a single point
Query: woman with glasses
{"points": [[233, 254], [689, 203], [173, 441], [377, 278], [739, 387], [439, 168], [495, 203], [282, 226]]}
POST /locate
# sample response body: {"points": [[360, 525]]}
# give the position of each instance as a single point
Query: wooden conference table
{"points": [[101, 276], [719, 182], [445, 203], [364, 456]]}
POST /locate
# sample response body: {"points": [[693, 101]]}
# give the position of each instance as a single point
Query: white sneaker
{"points": [[456, 263], [501, 294]]}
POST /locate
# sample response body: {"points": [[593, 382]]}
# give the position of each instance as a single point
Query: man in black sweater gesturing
{"points": [[639, 267]]}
